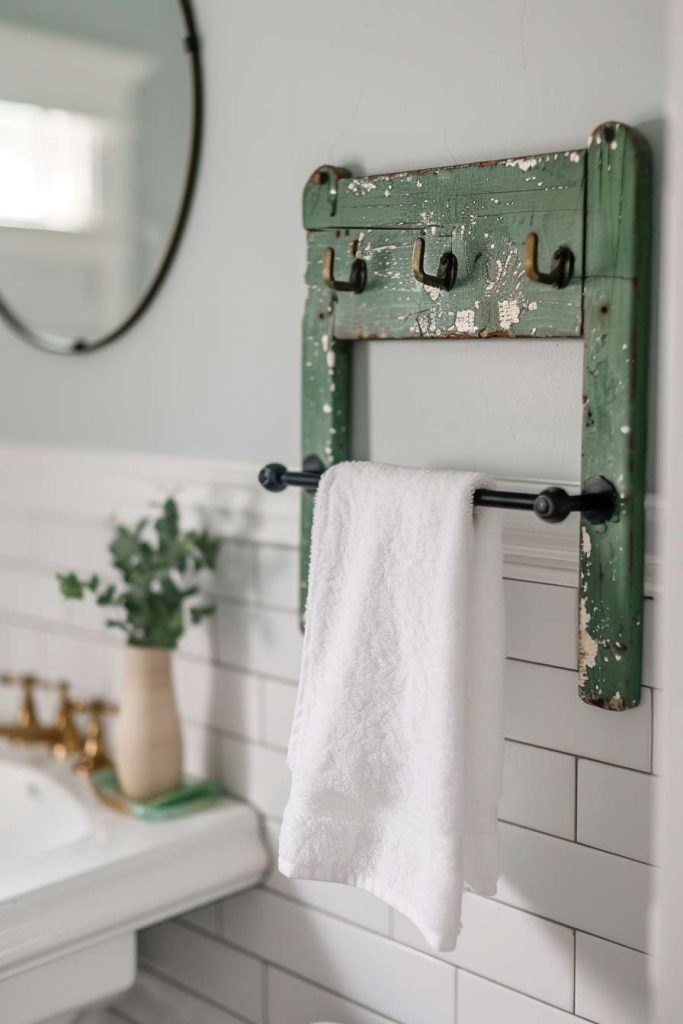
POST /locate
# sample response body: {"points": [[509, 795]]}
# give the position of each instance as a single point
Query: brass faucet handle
{"points": [[68, 738], [101, 707], [27, 727], [94, 755], [30, 682], [27, 680], [63, 688]]}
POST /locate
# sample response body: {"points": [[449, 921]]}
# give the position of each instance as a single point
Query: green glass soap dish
{"points": [[189, 798]]}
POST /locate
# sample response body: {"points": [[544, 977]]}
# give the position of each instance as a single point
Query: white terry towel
{"points": [[397, 741]]}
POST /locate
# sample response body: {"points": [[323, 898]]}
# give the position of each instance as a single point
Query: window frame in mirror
{"points": [[60, 345]]}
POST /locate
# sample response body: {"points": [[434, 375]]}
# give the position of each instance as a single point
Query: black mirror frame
{"points": [[191, 45]]}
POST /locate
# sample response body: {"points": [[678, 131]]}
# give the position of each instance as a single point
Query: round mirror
{"points": [[100, 104]]}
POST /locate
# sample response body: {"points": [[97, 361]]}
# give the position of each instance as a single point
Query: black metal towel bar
{"points": [[597, 502]]}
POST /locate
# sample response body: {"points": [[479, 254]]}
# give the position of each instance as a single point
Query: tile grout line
{"points": [[576, 799], [582, 757], [119, 1015], [160, 974], [652, 731], [265, 997], [576, 842], [574, 970]]}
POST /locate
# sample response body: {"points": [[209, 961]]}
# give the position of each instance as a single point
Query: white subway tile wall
{"points": [[564, 940], [612, 982]]}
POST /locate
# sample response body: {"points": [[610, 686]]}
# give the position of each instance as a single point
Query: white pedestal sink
{"points": [[77, 881]]}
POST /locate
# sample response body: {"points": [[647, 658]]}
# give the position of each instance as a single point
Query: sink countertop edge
{"points": [[49, 922]]}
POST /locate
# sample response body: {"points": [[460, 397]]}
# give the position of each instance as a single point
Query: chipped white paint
{"points": [[464, 321], [574, 157], [524, 163], [625, 429], [426, 324], [532, 305], [433, 293], [370, 249], [508, 313], [586, 542], [331, 360], [361, 186], [327, 407], [588, 646]]}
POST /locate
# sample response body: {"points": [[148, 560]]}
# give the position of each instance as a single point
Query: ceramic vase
{"points": [[148, 748]]}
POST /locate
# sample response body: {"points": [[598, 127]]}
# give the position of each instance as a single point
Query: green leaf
{"points": [[167, 526], [116, 624], [201, 611], [124, 547], [70, 585], [208, 548], [108, 596]]}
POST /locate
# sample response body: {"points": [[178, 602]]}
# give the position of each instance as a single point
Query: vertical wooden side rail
{"points": [[326, 404], [326, 379], [616, 321], [494, 207]]}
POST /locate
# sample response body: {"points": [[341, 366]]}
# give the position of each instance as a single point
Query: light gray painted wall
{"points": [[377, 85]]}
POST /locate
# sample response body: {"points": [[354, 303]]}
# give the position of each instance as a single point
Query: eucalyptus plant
{"points": [[158, 564]]}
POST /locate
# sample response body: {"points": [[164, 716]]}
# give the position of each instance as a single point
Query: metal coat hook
{"points": [[446, 273], [357, 277], [562, 268]]}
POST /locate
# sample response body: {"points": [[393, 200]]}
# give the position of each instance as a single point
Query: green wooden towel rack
{"points": [[549, 246]]}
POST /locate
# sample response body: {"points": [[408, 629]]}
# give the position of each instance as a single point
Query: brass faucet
{"points": [[27, 728], [94, 755], [63, 736], [68, 738]]}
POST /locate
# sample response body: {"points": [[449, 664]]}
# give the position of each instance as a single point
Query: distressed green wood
{"points": [[482, 213], [440, 196], [326, 403], [616, 306], [492, 296]]}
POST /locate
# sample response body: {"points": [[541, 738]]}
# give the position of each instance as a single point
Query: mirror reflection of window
{"points": [[96, 144], [62, 194]]}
